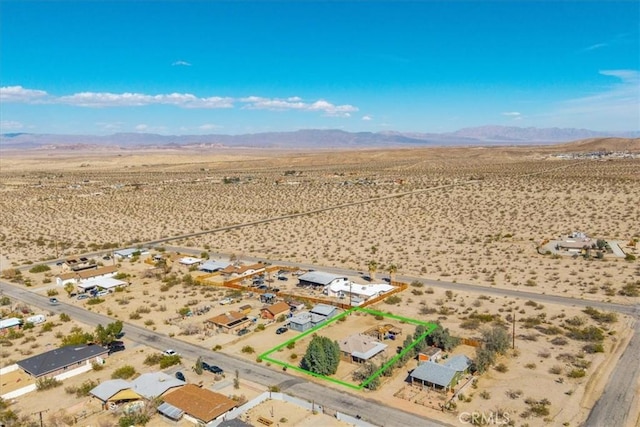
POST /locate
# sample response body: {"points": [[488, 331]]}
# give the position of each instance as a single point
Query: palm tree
{"points": [[373, 266], [392, 269]]}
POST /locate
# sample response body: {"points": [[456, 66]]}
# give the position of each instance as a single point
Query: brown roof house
{"points": [[275, 310], [360, 348], [198, 405], [229, 323], [76, 277]]}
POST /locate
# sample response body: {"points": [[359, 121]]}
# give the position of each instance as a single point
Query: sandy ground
{"points": [[485, 232]]}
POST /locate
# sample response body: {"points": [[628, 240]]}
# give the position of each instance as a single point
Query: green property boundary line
{"points": [[429, 328]]}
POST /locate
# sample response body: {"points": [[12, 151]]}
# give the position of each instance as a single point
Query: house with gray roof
{"points": [[324, 310], [154, 384], [212, 266], [62, 359], [445, 376], [317, 279], [112, 393], [459, 363]]}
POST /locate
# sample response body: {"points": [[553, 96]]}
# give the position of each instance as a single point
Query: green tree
{"points": [[484, 359], [441, 338], [421, 344], [372, 266], [496, 339], [77, 336], [392, 269], [366, 371], [322, 356], [69, 288], [198, 366], [106, 335]]}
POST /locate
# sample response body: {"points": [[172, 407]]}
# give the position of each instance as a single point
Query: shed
{"points": [[273, 311]]}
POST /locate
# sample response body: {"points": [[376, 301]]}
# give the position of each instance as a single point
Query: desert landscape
{"points": [[475, 215]]}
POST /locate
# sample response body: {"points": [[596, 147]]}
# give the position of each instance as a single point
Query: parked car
{"points": [[216, 369], [106, 257], [102, 293], [226, 301], [170, 352], [180, 376], [281, 330], [83, 296], [262, 287], [283, 278], [243, 331], [212, 368], [116, 348], [53, 301]]}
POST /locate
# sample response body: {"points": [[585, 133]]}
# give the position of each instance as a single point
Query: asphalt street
{"points": [[375, 412]]}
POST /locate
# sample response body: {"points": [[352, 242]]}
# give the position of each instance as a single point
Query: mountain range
{"points": [[309, 138]]}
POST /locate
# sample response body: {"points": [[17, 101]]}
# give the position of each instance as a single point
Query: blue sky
{"points": [[101, 67]]}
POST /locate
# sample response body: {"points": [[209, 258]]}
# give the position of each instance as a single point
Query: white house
{"points": [[77, 277], [189, 261], [321, 279], [356, 291]]}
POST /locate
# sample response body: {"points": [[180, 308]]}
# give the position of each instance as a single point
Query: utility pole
{"points": [[514, 330], [40, 415]]}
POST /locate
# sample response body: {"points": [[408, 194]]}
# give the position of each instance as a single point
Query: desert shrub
{"points": [[124, 372], [167, 361], [630, 290], [83, 389], [134, 315], [600, 316], [559, 341], [40, 268], [513, 394], [593, 348], [47, 383], [416, 284], [577, 373], [64, 317], [485, 395], [502, 368], [248, 349], [588, 333], [94, 301], [555, 370], [393, 299], [153, 359], [530, 366]]}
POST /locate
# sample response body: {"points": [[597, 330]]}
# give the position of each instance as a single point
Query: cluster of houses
{"points": [[102, 278], [341, 287], [179, 399]]}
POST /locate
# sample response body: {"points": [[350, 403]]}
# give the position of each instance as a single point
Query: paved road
{"points": [[613, 407], [372, 411]]}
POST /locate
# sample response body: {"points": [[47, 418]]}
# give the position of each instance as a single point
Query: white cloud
{"points": [[594, 47], [18, 94], [141, 128], [209, 126], [10, 125], [107, 99], [181, 64], [296, 103], [511, 114], [615, 106], [367, 118]]}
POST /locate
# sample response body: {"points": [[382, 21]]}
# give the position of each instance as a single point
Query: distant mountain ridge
{"points": [[310, 138]]}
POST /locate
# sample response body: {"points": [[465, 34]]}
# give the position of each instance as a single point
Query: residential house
{"points": [[324, 310], [317, 279], [443, 377], [77, 277], [360, 348], [275, 310], [189, 261], [198, 405], [127, 253], [113, 393], [355, 292], [106, 283], [212, 266], [9, 324], [230, 322], [56, 361], [245, 309], [243, 270], [431, 354]]}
